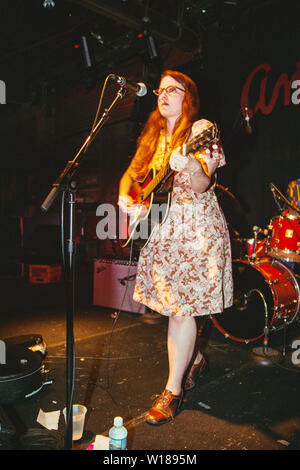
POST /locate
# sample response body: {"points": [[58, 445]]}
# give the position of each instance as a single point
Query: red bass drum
{"points": [[265, 293]]}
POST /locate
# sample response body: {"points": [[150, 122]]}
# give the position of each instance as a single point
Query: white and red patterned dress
{"points": [[186, 268]]}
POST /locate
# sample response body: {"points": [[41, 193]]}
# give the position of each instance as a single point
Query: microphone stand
{"points": [[66, 183]]}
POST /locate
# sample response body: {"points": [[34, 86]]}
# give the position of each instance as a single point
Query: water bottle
{"points": [[118, 435]]}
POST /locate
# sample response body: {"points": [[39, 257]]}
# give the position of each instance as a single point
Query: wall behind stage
{"points": [[255, 65], [269, 35], [262, 45]]}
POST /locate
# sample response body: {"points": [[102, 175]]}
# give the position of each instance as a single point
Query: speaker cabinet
{"points": [[114, 282]]}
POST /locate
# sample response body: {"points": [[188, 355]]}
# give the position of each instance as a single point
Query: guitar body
{"points": [[153, 210]]}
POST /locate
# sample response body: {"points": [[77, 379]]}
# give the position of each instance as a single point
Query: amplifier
{"points": [[44, 274], [114, 282]]}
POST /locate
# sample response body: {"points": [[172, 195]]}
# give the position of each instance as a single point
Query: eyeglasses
{"points": [[170, 90]]}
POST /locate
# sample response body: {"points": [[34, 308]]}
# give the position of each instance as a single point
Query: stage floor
{"points": [[241, 403]]}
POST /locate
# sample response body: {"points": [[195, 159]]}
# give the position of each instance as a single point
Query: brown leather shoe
{"points": [[194, 372], [164, 409]]}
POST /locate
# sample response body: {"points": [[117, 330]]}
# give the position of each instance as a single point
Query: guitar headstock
{"points": [[210, 135]]}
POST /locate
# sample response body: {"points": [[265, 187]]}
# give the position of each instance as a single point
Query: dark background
{"points": [[52, 98]]}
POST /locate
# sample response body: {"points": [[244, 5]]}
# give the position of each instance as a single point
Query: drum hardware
{"points": [[258, 246], [241, 301], [249, 248], [285, 323], [278, 196], [266, 299], [277, 281], [256, 231], [265, 355], [284, 238], [265, 350]]}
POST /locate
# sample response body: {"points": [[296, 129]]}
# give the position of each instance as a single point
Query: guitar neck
{"points": [[207, 137], [188, 148]]}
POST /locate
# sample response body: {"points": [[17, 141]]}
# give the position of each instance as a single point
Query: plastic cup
{"points": [[79, 412]]}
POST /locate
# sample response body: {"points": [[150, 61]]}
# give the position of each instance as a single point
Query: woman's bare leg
{"points": [[182, 333]]}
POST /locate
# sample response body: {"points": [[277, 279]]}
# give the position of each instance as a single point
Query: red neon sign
{"points": [[290, 86]]}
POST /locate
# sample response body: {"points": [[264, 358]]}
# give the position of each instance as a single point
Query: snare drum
{"points": [[265, 293], [284, 240]]}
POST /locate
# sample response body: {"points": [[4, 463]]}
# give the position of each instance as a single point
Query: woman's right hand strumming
{"points": [[127, 204]]}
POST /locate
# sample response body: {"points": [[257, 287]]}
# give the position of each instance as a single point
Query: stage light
{"points": [[86, 52], [151, 46], [48, 4]]}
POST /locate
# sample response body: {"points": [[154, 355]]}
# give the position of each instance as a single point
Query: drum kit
{"points": [[266, 283]]}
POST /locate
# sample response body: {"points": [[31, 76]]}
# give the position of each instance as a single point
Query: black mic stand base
{"points": [[266, 356]]}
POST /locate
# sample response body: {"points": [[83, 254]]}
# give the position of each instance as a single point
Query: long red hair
{"points": [[147, 142]]}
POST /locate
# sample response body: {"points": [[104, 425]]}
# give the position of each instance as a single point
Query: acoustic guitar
{"points": [[153, 195]]}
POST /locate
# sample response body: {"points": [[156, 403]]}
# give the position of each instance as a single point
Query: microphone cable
{"points": [[66, 275], [117, 314], [100, 103]]}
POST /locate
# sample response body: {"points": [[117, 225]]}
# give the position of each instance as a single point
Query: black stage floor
{"points": [[241, 403]]}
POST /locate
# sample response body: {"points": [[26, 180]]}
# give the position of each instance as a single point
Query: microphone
{"points": [[139, 89], [277, 195], [247, 119]]}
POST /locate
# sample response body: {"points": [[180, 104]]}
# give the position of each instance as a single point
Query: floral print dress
{"points": [[186, 268]]}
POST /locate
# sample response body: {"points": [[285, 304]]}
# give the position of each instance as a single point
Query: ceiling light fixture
{"points": [[48, 4]]}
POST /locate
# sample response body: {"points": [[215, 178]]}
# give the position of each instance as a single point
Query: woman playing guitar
{"points": [[184, 270]]}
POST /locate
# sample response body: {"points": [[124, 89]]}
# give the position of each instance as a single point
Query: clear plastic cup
{"points": [[79, 412]]}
